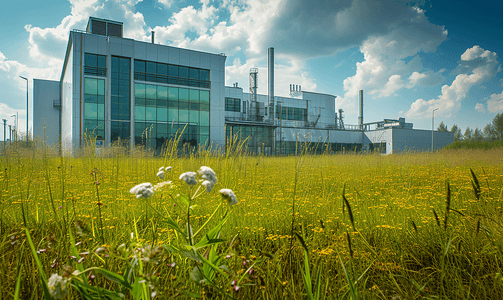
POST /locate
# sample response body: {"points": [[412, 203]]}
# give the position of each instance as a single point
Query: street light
{"points": [[4, 123], [26, 108], [432, 125], [15, 124]]}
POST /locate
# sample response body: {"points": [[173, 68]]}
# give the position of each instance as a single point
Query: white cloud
{"points": [[48, 45], [428, 78], [480, 108], [394, 83], [480, 65], [166, 3], [495, 103]]}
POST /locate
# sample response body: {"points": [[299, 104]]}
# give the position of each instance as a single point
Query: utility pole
{"points": [[10, 134], [4, 123], [432, 126]]}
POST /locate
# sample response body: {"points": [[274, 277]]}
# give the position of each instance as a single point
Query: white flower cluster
{"points": [[143, 190], [228, 195], [189, 178], [209, 176], [162, 172], [58, 286]]}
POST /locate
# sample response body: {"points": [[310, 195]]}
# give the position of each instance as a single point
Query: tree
{"points": [[457, 132], [489, 132], [442, 127], [497, 125], [467, 136], [477, 135]]}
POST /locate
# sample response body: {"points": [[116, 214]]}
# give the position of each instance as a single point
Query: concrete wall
{"points": [[419, 140], [67, 106], [45, 93]]}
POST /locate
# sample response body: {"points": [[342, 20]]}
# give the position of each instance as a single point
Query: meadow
{"points": [[344, 226]]}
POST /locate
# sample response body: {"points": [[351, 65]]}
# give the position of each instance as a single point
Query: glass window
{"points": [[139, 66], [151, 92], [173, 94], [91, 86], [172, 114], [204, 118], [101, 87], [194, 96], [150, 113], [90, 60], [124, 65], [183, 115], [193, 73], [101, 112], [162, 114], [139, 90], [162, 93], [102, 61], [173, 70], [139, 113], [162, 69], [204, 75], [194, 116], [183, 72], [91, 111], [151, 67]]}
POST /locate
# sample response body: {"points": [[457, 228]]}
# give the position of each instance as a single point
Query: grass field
{"points": [[406, 226]]}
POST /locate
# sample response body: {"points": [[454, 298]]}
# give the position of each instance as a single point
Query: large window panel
{"points": [[194, 116], [162, 92], [139, 113], [151, 91], [204, 118], [162, 114], [150, 114]]}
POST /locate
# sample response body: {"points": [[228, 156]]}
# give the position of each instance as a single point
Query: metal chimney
{"points": [[360, 118], [271, 82], [153, 33]]}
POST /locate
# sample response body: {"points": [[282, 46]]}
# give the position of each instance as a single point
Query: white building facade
{"points": [[114, 89]]}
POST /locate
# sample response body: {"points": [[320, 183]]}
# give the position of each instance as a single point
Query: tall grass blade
{"points": [[447, 203], [475, 185], [436, 217], [350, 212], [350, 247]]}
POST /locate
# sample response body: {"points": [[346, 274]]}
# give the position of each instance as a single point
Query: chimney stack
{"points": [[153, 33], [360, 118], [271, 82]]}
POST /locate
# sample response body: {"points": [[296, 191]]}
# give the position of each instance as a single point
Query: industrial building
{"points": [[119, 89]]}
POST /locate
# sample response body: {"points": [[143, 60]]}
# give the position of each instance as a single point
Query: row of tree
{"points": [[491, 132]]}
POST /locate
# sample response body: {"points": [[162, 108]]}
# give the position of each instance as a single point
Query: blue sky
{"points": [[409, 57]]}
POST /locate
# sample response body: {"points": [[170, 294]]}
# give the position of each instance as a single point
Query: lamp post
{"points": [[4, 137], [27, 134], [15, 125], [432, 125], [10, 134]]}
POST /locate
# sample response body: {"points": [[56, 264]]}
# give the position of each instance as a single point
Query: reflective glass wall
{"points": [[121, 98], [94, 107], [162, 111]]}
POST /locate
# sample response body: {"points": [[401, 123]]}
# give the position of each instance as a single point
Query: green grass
{"points": [[398, 247]]}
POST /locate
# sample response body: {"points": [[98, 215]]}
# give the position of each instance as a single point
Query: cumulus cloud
{"points": [[427, 78], [385, 56], [166, 3], [394, 83], [495, 103], [49, 44], [480, 108], [479, 66]]}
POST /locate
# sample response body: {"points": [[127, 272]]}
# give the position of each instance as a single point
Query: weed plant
{"points": [[348, 226]]}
